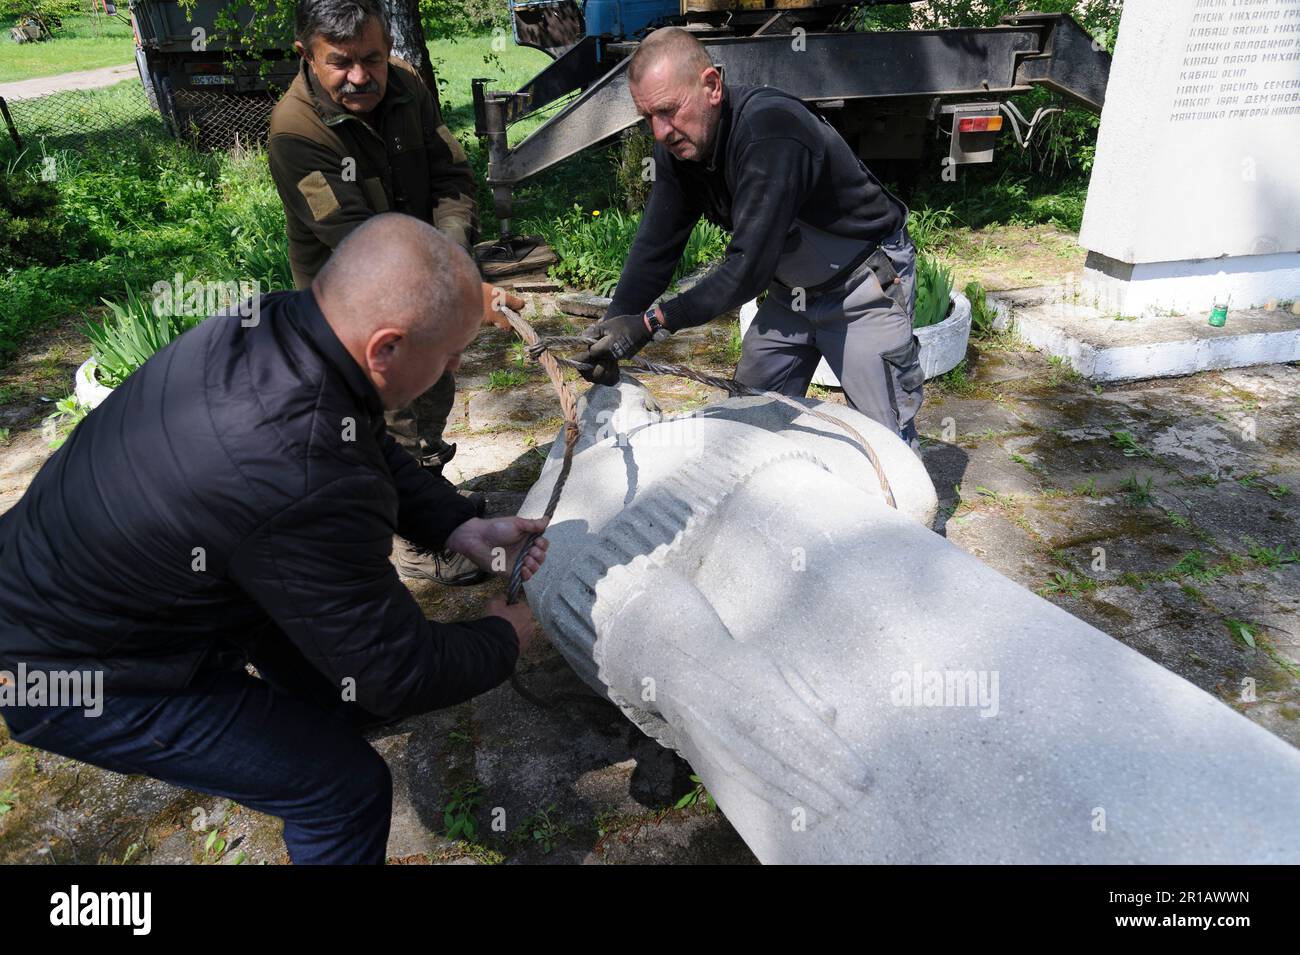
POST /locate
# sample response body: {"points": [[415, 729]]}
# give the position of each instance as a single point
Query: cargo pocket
{"points": [[890, 281], [904, 378]]}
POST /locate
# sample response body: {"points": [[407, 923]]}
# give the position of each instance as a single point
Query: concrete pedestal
{"points": [[1193, 196]]}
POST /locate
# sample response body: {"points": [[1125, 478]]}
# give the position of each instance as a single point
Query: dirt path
{"points": [[29, 387], [83, 80]]}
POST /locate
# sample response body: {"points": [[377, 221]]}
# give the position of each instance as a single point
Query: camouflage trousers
{"points": [[418, 427]]}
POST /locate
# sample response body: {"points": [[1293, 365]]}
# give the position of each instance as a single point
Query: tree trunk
{"points": [[408, 39]]}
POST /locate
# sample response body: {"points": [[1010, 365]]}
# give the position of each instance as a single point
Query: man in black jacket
{"points": [[810, 225], [234, 500]]}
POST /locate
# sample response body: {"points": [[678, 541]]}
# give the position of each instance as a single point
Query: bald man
{"points": [[235, 501], [809, 224]]}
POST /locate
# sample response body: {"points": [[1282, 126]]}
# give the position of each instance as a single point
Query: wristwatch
{"points": [[658, 330]]}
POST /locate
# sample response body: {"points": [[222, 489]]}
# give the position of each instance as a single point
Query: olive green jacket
{"points": [[334, 170]]}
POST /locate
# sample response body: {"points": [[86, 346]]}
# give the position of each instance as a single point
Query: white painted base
{"points": [[1178, 288], [942, 345], [1102, 349]]}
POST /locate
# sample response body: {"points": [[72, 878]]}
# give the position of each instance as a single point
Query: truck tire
{"points": [[146, 79]]}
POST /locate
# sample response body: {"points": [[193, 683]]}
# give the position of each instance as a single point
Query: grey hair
{"points": [[681, 48], [337, 21]]}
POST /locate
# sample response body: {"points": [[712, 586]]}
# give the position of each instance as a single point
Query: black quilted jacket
{"points": [[242, 477]]}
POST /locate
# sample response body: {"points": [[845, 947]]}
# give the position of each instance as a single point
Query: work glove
{"points": [[614, 339], [494, 296]]}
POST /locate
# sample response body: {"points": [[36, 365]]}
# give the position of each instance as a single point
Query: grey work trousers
{"points": [[864, 334], [418, 427]]}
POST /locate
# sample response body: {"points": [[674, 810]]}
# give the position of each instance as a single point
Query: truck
{"points": [[886, 92], [889, 93], [208, 88]]}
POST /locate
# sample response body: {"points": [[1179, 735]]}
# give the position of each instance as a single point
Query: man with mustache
{"points": [[358, 134], [809, 224]]}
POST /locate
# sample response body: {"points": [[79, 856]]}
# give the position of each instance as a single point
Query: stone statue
{"points": [[849, 685]]}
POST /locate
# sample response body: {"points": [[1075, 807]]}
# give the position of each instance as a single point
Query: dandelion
{"points": [[595, 212]]}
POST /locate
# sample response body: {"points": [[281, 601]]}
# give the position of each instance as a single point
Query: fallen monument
{"points": [[853, 688]]}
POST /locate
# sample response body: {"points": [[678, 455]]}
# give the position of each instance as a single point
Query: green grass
{"points": [[593, 246], [541, 830], [735, 344], [967, 223], [1194, 564], [103, 119], [980, 198], [147, 208], [930, 227], [1271, 556], [84, 43], [1027, 464], [1137, 493], [132, 332], [1123, 440], [1068, 583], [588, 179], [956, 381], [933, 291], [982, 315], [1242, 631], [456, 62], [503, 379]]}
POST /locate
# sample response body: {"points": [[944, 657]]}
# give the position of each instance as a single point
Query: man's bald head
{"points": [[397, 270], [678, 91], [402, 298]]}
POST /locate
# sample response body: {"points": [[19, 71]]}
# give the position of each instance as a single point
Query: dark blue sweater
{"points": [[773, 161]]}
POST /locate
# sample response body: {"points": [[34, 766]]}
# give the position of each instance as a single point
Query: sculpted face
{"points": [[683, 109], [353, 74]]}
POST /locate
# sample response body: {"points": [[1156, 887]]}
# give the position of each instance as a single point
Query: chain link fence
{"points": [[70, 118], [223, 120]]}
